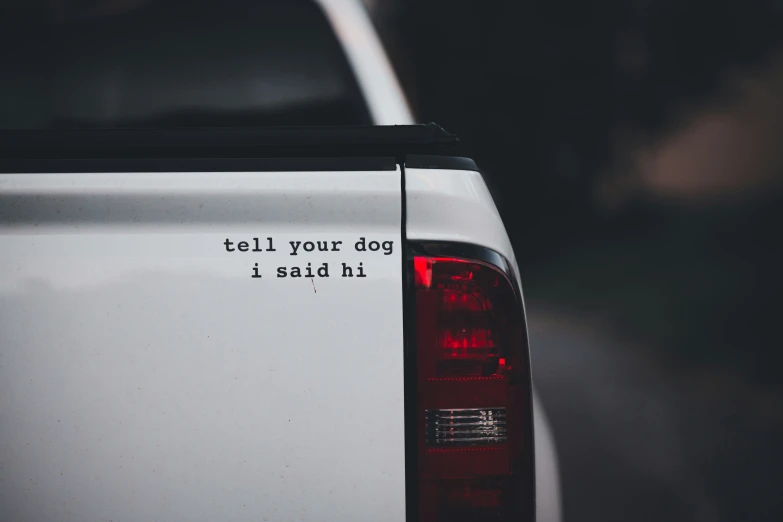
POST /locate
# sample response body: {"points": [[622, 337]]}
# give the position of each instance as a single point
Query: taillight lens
{"points": [[473, 410]]}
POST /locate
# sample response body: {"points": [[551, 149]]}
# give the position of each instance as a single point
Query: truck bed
{"points": [[203, 325]]}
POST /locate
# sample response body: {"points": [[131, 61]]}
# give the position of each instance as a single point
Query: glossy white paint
{"points": [[548, 500], [455, 205], [144, 375], [374, 73]]}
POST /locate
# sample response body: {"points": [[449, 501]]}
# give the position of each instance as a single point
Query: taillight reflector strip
{"points": [[465, 427]]}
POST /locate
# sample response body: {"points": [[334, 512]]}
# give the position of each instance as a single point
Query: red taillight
{"points": [[473, 413]]}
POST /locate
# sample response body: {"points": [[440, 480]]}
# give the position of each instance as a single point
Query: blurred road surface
{"points": [[657, 355]]}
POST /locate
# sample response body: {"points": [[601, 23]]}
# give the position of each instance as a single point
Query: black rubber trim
{"points": [[419, 161], [485, 255], [269, 142], [21, 166]]}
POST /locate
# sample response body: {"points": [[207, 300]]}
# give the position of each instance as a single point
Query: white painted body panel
{"points": [[144, 375], [455, 205]]}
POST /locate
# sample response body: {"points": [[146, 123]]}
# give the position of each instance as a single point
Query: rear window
{"points": [[173, 63]]}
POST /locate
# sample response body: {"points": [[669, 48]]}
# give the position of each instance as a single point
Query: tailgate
{"points": [[147, 374]]}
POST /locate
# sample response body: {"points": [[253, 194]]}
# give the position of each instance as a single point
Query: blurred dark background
{"points": [[635, 150]]}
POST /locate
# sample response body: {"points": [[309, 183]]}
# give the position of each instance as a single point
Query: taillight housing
{"points": [[473, 415]]}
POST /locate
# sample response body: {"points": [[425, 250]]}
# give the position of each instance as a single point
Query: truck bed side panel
{"points": [[146, 375]]}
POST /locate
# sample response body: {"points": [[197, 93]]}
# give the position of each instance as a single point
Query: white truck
{"points": [[202, 323]]}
